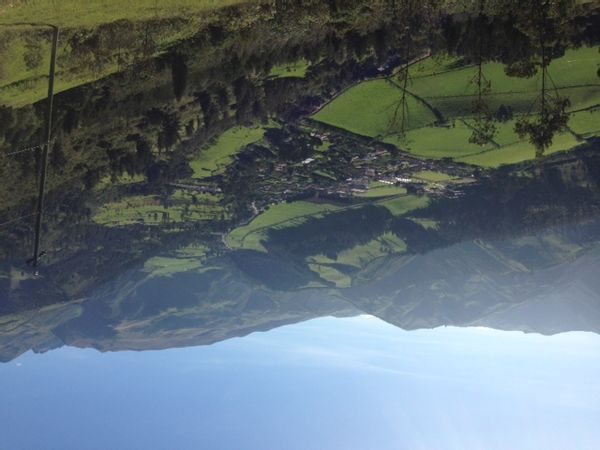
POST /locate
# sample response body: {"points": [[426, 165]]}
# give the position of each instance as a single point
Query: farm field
{"points": [[214, 159], [444, 87], [249, 237], [76, 14], [452, 92], [435, 177], [437, 142], [586, 123], [401, 205], [518, 152], [376, 100], [378, 189]]}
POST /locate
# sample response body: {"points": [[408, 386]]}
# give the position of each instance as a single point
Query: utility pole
{"points": [[45, 148]]}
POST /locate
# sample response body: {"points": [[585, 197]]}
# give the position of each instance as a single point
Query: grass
{"points": [[434, 177], [357, 257], [378, 189], [361, 255], [437, 142], [251, 235], [331, 274], [518, 152], [297, 69], [149, 210], [401, 205], [91, 13], [121, 28], [453, 94], [446, 86], [428, 224], [368, 108], [214, 160], [586, 123], [184, 260]]}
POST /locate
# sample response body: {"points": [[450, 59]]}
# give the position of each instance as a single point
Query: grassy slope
{"points": [[357, 257], [361, 256], [518, 152], [401, 205], [164, 22], [437, 142], [378, 189], [366, 108], [91, 13], [251, 235], [429, 175], [452, 93], [183, 260], [214, 159]]}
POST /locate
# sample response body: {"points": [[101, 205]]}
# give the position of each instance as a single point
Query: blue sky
{"points": [[329, 383]]}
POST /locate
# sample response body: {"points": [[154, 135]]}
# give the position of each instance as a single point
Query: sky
{"points": [[329, 383]]}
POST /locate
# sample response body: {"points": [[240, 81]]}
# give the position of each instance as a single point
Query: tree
{"points": [[484, 128], [179, 72], [403, 13], [546, 24]]}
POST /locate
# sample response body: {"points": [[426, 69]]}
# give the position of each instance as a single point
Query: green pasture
{"points": [[331, 274], [357, 257], [280, 215], [361, 255], [437, 142], [91, 13], [378, 189], [432, 176], [446, 86], [428, 224], [518, 152], [214, 159], [296, 69], [182, 260], [368, 108], [576, 68], [401, 205], [586, 123], [122, 29]]}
